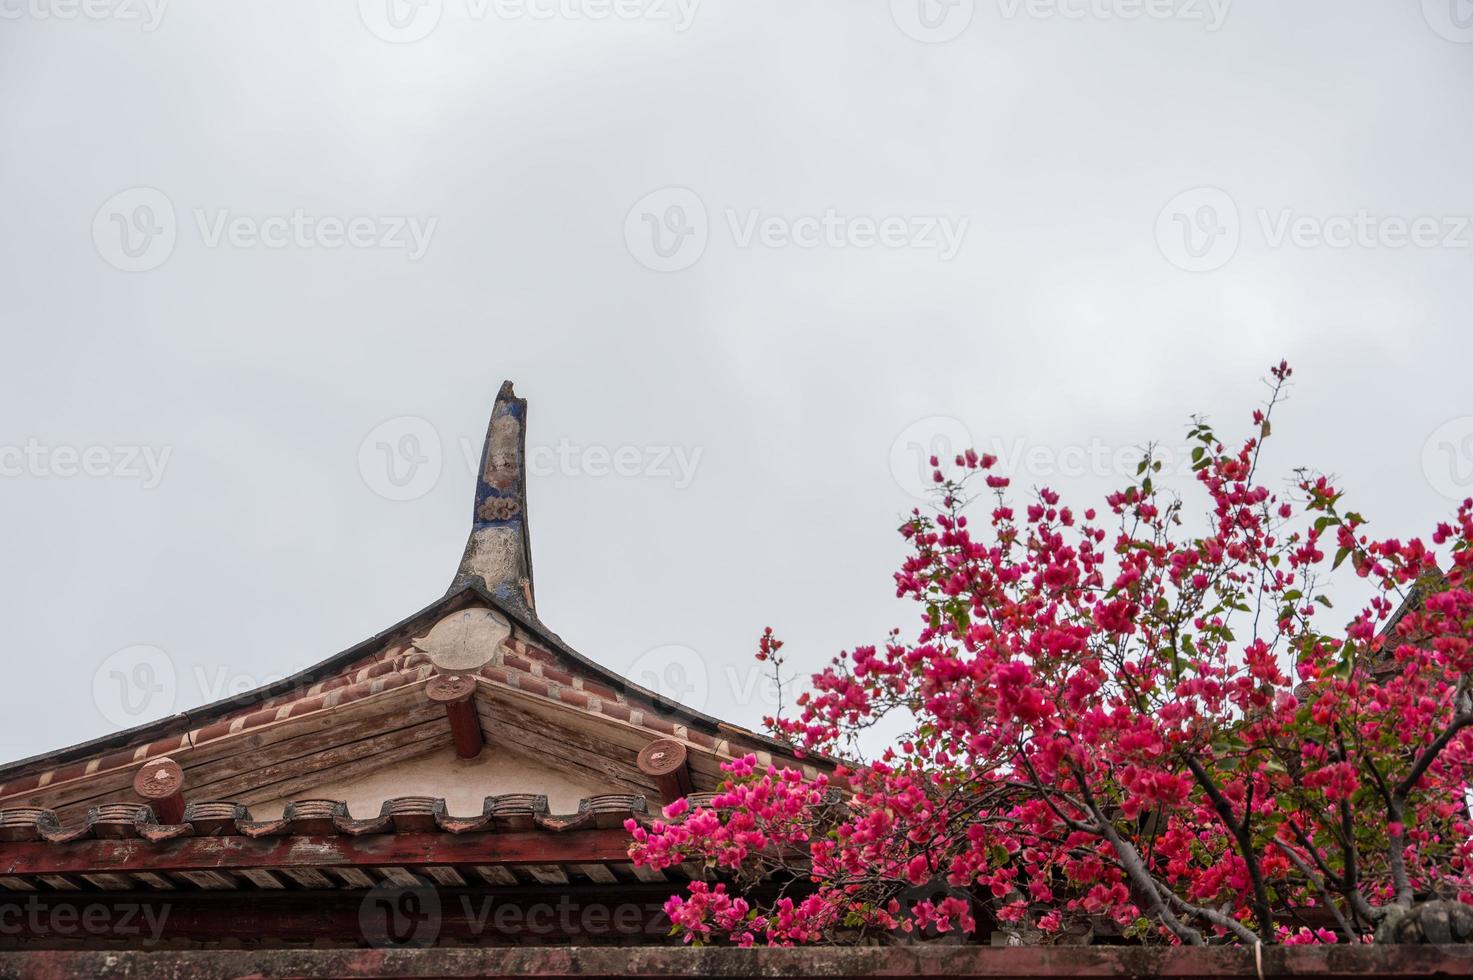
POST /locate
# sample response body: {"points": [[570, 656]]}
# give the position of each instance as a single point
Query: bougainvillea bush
{"points": [[1112, 722]]}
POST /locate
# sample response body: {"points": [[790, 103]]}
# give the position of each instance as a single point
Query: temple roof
{"points": [[471, 691]]}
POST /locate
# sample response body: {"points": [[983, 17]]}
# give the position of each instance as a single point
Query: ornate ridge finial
{"points": [[499, 552]]}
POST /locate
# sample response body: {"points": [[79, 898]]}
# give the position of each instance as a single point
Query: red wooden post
{"points": [[161, 783], [457, 692], [664, 760]]}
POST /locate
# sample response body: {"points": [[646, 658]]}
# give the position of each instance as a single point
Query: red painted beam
{"points": [[665, 761], [457, 692], [399, 850], [586, 914], [160, 783]]}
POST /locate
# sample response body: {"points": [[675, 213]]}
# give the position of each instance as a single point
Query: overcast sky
{"points": [[265, 265]]}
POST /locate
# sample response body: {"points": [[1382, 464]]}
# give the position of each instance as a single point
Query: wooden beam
{"points": [[457, 692], [586, 914], [664, 761], [375, 850], [160, 782]]}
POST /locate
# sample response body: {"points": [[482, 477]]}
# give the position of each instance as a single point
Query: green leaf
{"points": [[1340, 556]]}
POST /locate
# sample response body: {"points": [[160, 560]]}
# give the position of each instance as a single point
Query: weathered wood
{"points": [[460, 914], [160, 782], [288, 776], [664, 761], [220, 759], [373, 851], [598, 733], [551, 748], [457, 692]]}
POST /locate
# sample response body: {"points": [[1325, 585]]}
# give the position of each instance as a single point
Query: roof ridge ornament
{"points": [[498, 554]]}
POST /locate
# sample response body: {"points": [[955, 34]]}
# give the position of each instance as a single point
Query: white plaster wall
{"points": [[464, 783]]}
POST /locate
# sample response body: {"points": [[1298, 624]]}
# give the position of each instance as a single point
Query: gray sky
{"points": [[743, 258]]}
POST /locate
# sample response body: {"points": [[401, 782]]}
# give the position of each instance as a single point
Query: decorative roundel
{"points": [[158, 779], [661, 757], [464, 641], [450, 687]]}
